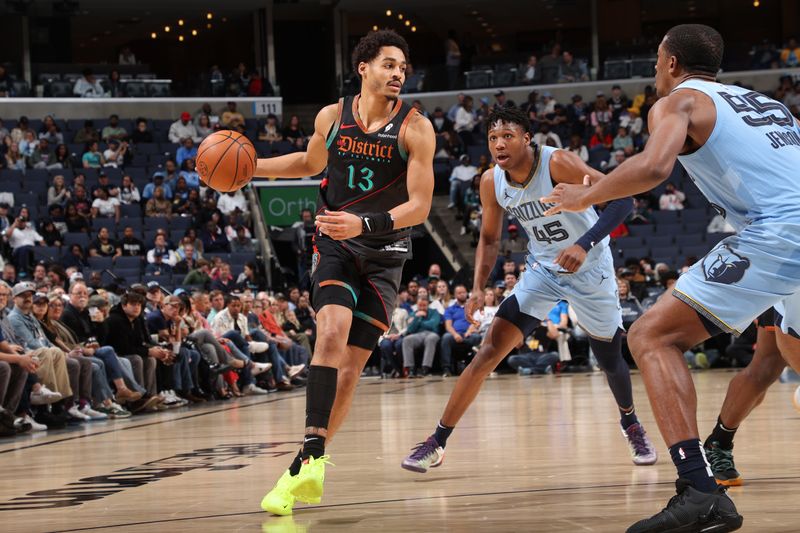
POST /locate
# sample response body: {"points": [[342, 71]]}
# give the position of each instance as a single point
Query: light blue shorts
{"points": [[591, 293], [746, 274]]}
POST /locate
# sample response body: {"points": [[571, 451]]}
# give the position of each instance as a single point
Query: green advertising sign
{"points": [[282, 203]]}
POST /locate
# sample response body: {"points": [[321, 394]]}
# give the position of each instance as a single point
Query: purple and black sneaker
{"points": [[642, 450], [425, 455]]}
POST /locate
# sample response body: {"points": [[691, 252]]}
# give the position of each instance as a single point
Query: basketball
{"points": [[226, 161]]}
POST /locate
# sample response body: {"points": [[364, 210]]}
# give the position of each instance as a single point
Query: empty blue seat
{"points": [[109, 223], [240, 258], [628, 242], [635, 253], [641, 230], [712, 239], [660, 241], [697, 214], [156, 223], [76, 238], [668, 229], [689, 239], [47, 253], [100, 263], [665, 217], [128, 262], [181, 223], [131, 211], [697, 250]]}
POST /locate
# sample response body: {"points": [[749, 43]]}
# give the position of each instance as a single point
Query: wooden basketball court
{"points": [[533, 454]]}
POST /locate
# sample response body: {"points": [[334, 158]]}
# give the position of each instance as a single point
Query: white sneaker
{"points": [[45, 396], [92, 414], [254, 389], [260, 368], [294, 370], [35, 426], [169, 400], [76, 413]]}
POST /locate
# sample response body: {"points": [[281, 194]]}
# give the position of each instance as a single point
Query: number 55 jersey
{"points": [[749, 169], [547, 235], [367, 172]]}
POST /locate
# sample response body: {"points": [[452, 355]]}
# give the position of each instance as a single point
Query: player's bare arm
{"points": [[567, 167], [303, 164], [421, 144], [488, 245], [669, 120]]}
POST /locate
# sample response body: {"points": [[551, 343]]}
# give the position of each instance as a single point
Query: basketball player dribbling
{"points": [[742, 150], [379, 183], [569, 259]]}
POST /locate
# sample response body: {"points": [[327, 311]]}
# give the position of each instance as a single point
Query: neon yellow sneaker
{"points": [[280, 499], [306, 486]]}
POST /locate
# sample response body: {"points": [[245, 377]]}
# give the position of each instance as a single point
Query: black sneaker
{"points": [[692, 511], [722, 465]]}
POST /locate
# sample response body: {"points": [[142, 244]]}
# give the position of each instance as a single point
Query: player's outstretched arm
{"points": [[567, 167], [420, 141], [303, 164], [669, 125], [488, 244]]}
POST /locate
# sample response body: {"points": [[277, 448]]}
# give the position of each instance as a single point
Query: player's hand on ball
{"points": [[339, 225], [568, 197], [571, 259], [474, 303]]}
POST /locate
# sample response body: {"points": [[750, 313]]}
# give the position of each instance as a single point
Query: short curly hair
{"points": [[370, 45]]}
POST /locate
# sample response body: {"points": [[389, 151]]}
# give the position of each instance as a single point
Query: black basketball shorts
{"points": [[368, 286]]}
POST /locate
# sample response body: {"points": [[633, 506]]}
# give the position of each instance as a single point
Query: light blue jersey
{"points": [[749, 169], [592, 291], [547, 235]]}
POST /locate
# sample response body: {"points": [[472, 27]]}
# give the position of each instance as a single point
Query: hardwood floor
{"points": [[532, 454]]}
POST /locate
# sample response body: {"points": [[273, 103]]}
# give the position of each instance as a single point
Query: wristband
{"points": [[376, 223]]}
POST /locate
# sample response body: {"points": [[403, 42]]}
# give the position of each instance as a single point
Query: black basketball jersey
{"points": [[367, 171]]}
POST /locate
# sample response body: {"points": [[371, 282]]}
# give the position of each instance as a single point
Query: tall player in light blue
{"points": [[569, 260], [742, 150]]}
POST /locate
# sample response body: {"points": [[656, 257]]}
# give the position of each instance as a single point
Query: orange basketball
{"points": [[226, 161]]}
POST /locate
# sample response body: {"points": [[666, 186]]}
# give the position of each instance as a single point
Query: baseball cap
{"points": [[500, 284], [97, 301], [153, 286], [512, 227], [600, 93], [4, 205], [484, 100], [75, 277], [615, 86], [547, 94], [23, 287], [499, 93], [40, 297], [185, 116]]}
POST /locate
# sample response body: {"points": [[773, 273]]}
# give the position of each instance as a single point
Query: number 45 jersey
{"points": [[547, 235], [749, 168], [367, 173]]}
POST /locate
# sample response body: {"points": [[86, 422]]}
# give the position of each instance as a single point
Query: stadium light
{"points": [[194, 32], [166, 29], [413, 28], [180, 22], [399, 16], [408, 22], [375, 27], [209, 16], [153, 35], [388, 12], [180, 38]]}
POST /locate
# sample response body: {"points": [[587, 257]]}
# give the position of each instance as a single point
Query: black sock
{"points": [[690, 460], [442, 433], [320, 395], [628, 418], [313, 446], [294, 468], [722, 435]]}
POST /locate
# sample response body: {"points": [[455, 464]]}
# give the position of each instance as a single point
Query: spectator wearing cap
{"points": [[514, 243], [22, 237], [617, 159], [501, 100], [531, 73], [52, 368], [460, 179], [571, 70], [158, 267], [183, 128]]}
